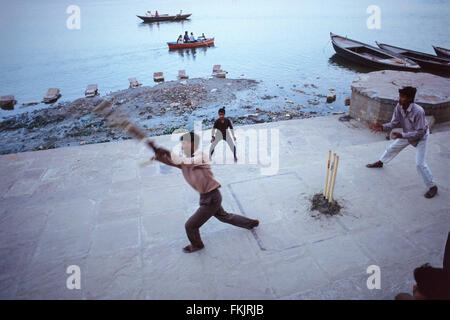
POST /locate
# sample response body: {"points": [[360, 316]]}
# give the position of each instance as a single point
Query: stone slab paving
{"points": [[94, 206]]}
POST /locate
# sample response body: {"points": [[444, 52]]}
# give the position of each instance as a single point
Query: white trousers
{"points": [[422, 168]]}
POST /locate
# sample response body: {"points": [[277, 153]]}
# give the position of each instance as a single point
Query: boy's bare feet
{"points": [[190, 248]]}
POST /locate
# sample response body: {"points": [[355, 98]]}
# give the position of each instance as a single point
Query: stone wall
{"points": [[374, 95], [363, 108]]}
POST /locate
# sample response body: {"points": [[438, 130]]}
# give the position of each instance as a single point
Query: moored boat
{"points": [[370, 56], [164, 17], [205, 43], [442, 52], [425, 60]]}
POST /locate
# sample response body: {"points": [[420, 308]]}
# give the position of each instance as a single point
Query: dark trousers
{"points": [[211, 205]]}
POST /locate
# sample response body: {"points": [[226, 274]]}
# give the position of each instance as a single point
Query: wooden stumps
{"points": [[91, 90], [7, 102], [52, 95], [327, 174], [330, 177], [331, 196], [218, 72], [158, 77], [182, 75], [134, 83]]}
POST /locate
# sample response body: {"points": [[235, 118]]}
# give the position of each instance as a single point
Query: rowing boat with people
{"points": [[191, 44]]}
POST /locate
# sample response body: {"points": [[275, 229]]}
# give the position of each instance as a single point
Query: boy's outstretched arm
{"points": [[162, 155]]}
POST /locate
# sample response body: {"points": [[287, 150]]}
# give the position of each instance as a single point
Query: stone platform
{"points": [[375, 94], [95, 207]]}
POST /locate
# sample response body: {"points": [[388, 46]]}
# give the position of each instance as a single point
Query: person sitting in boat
{"points": [[192, 38], [149, 13], [201, 38], [180, 39], [186, 37], [156, 14]]}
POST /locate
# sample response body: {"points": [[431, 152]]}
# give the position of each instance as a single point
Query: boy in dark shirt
{"points": [[219, 132]]}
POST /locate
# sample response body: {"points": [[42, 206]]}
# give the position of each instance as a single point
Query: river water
{"points": [[281, 43]]}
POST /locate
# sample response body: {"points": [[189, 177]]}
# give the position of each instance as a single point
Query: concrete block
{"points": [[7, 102], [158, 77], [53, 94], [91, 91], [182, 74], [134, 83]]}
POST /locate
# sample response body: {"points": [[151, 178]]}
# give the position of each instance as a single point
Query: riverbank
{"points": [[161, 109]]}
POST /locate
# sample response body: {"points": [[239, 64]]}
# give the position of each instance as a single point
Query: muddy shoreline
{"points": [[159, 109]]}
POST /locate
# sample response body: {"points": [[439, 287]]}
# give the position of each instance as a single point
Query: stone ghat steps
{"points": [[123, 225]]}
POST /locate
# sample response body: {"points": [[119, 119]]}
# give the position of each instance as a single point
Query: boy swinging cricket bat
{"points": [[196, 170]]}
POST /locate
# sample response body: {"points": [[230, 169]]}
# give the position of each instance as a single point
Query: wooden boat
{"points": [[165, 17], [425, 60], [205, 43], [442, 52], [370, 56]]}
